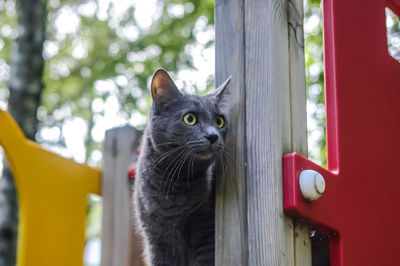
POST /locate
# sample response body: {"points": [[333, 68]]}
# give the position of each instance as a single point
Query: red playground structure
{"points": [[360, 206]]}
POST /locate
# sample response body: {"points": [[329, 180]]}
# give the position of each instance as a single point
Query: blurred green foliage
{"points": [[314, 64], [393, 33], [110, 54], [8, 21]]}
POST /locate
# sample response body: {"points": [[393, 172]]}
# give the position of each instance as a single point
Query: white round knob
{"points": [[312, 184]]}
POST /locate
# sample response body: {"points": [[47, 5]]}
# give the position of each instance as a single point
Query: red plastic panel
{"points": [[360, 206]]}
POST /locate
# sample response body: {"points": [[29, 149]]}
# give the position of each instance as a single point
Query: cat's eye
{"points": [[219, 121], [190, 119]]}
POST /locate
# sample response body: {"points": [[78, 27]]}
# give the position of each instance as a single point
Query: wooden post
{"points": [[260, 43], [120, 244]]}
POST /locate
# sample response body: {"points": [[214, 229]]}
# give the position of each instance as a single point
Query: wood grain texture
{"points": [[120, 244], [231, 218], [267, 131], [255, 45], [298, 100]]}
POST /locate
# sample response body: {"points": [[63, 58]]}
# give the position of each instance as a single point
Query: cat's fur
{"points": [[174, 186]]}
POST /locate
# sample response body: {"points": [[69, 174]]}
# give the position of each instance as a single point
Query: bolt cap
{"points": [[312, 184]]}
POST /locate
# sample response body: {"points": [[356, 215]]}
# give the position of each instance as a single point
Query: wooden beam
{"points": [[231, 207], [257, 46], [298, 100], [120, 244]]}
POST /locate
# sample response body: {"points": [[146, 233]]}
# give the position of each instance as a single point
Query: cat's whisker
{"points": [[166, 155], [221, 168], [174, 169], [162, 157], [165, 143], [191, 142], [189, 169], [223, 163], [227, 155], [164, 177], [199, 147], [194, 156], [169, 172], [186, 156], [166, 169]]}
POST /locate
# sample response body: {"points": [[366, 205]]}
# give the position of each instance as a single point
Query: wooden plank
{"points": [[120, 245], [298, 100], [267, 131], [231, 219], [297, 77], [252, 44]]}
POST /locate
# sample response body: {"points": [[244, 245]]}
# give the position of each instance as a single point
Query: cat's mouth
{"points": [[205, 153]]}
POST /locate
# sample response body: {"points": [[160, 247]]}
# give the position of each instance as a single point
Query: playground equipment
{"points": [[52, 194], [358, 208], [261, 44]]}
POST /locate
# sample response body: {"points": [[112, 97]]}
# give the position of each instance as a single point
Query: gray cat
{"points": [[174, 194]]}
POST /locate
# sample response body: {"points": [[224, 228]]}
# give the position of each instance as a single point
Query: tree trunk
{"points": [[25, 92]]}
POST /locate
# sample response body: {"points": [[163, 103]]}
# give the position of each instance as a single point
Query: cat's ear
{"points": [[163, 89], [219, 92]]}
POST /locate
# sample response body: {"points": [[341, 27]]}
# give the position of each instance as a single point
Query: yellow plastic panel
{"points": [[52, 193]]}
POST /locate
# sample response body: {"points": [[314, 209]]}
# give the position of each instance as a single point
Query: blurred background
{"points": [[70, 70]]}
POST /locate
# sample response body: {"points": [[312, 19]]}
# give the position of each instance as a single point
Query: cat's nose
{"points": [[212, 138]]}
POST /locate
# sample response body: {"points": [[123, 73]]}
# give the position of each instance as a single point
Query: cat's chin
{"points": [[206, 155]]}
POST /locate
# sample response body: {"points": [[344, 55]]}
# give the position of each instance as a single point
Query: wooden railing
{"points": [[121, 246]]}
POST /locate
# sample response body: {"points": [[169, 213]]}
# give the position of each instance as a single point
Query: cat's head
{"points": [[190, 124]]}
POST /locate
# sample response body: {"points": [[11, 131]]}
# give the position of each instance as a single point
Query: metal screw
{"points": [[312, 184]]}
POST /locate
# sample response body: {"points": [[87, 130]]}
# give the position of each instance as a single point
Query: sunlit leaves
{"points": [[393, 33], [109, 51], [315, 81]]}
